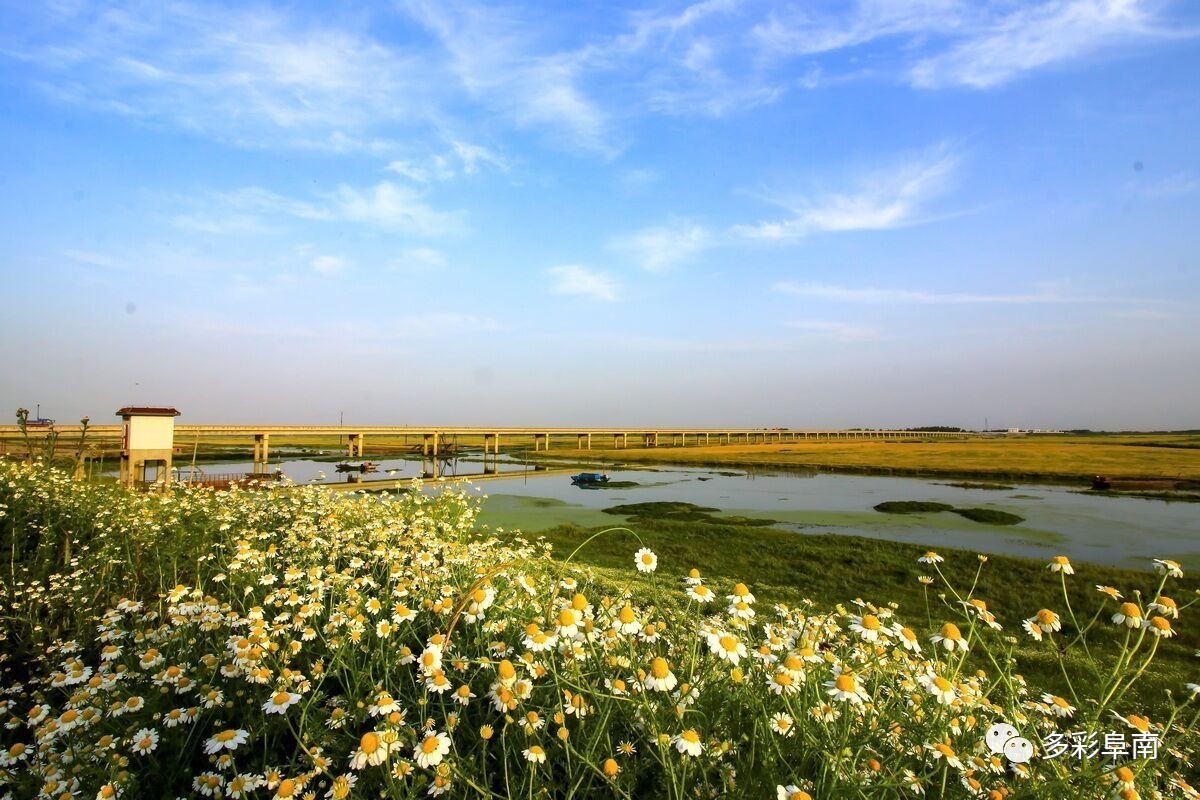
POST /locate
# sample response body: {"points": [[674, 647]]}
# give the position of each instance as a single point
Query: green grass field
{"points": [[785, 567]]}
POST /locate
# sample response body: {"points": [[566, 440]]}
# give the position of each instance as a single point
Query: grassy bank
{"points": [[1067, 459]]}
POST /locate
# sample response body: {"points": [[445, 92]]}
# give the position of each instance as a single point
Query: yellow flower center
{"points": [[951, 631], [845, 683], [369, 742], [659, 668], [1130, 610], [728, 643], [871, 622], [626, 616], [690, 736]]}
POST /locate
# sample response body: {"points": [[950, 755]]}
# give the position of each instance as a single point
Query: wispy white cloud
{"points": [[395, 329], [94, 259], [388, 205], [329, 266], [222, 225], [891, 198], [843, 294], [977, 44], [492, 56], [661, 248], [1037, 36], [385, 205], [573, 279], [1173, 185], [246, 74], [463, 158], [838, 331], [419, 258], [811, 29]]}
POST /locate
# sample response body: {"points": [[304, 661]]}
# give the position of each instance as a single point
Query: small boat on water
{"points": [[589, 479], [365, 466], [1105, 483]]}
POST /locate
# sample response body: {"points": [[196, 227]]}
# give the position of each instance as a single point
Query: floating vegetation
{"points": [[681, 512], [991, 487], [987, 516], [912, 507]]}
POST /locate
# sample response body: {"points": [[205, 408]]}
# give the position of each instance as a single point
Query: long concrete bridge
{"points": [[431, 437], [438, 441]]}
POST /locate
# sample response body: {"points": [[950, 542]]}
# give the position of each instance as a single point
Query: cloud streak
{"points": [[870, 295], [663, 248], [385, 205], [248, 75], [885, 199], [579, 281]]}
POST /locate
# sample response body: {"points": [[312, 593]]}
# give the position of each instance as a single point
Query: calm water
{"points": [[1106, 530], [304, 469]]}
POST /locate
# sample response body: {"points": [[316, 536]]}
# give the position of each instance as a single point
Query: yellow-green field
{"points": [[1062, 457]]}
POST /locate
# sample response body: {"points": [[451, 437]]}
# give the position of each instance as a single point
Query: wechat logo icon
{"points": [[1003, 739]]}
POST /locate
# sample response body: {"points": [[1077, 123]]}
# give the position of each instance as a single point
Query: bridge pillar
{"points": [[261, 451], [354, 447], [491, 466]]}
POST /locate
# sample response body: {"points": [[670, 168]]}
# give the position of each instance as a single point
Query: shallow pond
{"points": [[1057, 519]]}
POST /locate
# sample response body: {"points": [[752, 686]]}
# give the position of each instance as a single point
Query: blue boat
{"points": [[589, 478]]}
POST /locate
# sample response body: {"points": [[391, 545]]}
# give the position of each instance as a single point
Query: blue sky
{"points": [[883, 212]]}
